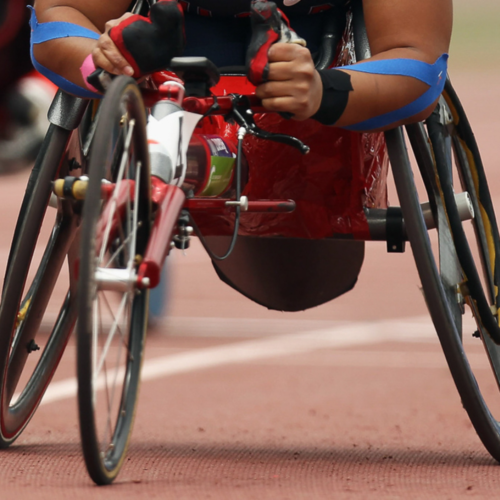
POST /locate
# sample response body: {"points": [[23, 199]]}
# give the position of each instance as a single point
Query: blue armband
{"points": [[434, 75], [44, 32]]}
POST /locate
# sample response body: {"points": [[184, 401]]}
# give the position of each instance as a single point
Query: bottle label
{"points": [[222, 162]]}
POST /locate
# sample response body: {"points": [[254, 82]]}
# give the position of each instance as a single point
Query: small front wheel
{"points": [[113, 309]]}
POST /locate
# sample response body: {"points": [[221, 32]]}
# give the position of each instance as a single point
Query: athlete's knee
{"points": [[44, 32]]}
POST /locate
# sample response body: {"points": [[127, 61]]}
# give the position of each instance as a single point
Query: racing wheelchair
{"points": [[114, 225]]}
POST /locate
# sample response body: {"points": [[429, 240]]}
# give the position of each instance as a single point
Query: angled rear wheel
{"points": [[38, 309], [459, 270]]}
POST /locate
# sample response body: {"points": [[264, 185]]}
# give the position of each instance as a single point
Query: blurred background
{"points": [[24, 95], [476, 42]]}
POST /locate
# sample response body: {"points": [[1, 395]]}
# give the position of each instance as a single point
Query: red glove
{"points": [[149, 43], [269, 25]]}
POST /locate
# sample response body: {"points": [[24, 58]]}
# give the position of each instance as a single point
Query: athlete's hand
{"points": [[293, 86], [106, 54]]}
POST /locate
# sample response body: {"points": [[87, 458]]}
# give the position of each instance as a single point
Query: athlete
{"points": [[409, 41]]}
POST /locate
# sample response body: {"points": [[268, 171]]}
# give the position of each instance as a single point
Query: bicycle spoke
{"points": [[136, 211], [115, 327], [95, 337], [121, 247], [114, 198]]}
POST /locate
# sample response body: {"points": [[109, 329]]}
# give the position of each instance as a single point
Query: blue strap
{"points": [[433, 75], [43, 32], [427, 73], [50, 31]]}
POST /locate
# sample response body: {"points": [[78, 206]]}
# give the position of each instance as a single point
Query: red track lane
{"points": [[373, 416]]}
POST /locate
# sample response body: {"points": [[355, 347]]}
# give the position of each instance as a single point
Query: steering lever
{"points": [[243, 115]]}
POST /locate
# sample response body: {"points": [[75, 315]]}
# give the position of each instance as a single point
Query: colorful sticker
{"points": [[221, 172]]}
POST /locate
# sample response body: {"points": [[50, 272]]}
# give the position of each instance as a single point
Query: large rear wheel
{"points": [[38, 312], [459, 270]]}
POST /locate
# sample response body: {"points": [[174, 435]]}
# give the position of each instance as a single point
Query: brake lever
{"points": [[243, 115]]}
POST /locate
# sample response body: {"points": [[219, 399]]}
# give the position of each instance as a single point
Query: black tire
{"points": [[461, 268], [107, 396], [28, 288]]}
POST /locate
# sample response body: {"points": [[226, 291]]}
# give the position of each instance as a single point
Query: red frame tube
{"points": [[126, 192], [169, 200], [218, 206]]}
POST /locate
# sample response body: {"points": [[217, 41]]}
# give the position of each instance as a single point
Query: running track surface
{"points": [[349, 400]]}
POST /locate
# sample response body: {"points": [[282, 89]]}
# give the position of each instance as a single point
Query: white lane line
{"points": [[246, 328], [377, 359], [270, 347]]}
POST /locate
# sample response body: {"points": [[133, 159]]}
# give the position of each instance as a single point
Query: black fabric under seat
{"points": [[288, 274]]}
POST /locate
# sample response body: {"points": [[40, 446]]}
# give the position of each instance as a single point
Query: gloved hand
{"points": [[149, 43], [269, 26]]}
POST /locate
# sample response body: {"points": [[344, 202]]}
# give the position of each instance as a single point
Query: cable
{"points": [[241, 134]]}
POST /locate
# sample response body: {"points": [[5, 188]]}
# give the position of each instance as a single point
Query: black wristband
{"points": [[336, 88]]}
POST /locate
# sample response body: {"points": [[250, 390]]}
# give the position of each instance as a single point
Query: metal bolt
{"points": [[32, 346]]}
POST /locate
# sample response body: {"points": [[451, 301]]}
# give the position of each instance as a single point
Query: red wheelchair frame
{"points": [[355, 171]]}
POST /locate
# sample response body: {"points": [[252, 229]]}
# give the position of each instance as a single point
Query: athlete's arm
{"points": [[402, 29]]}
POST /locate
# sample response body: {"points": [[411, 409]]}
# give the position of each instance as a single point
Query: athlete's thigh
{"points": [[98, 12]]}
